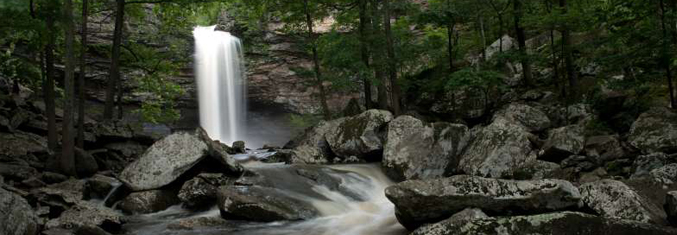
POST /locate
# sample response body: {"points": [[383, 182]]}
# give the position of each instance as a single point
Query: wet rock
{"points": [[312, 146], [563, 142], [671, 207], [88, 214], [85, 164], [655, 131], [16, 215], [531, 118], [556, 223], [614, 199], [59, 197], [643, 165], [255, 203], [416, 150], [201, 191], [457, 220], [498, 150], [148, 201], [198, 223], [605, 147], [359, 135], [418, 202], [239, 147], [172, 156], [99, 185]]}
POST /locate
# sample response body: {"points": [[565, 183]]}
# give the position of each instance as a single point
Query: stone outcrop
{"points": [[256, 203], [457, 220], [16, 215], [615, 200], [201, 191], [655, 131], [417, 150], [359, 135], [148, 201], [88, 214], [564, 142], [531, 118], [418, 202]]}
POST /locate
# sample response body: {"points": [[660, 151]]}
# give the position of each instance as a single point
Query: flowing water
{"points": [[221, 84], [340, 212]]}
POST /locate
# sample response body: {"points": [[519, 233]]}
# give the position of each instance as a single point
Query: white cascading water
{"points": [[221, 84]]}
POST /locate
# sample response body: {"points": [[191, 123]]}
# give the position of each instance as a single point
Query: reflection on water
{"points": [[341, 213]]}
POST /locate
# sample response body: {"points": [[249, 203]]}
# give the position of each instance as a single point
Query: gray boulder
{"points": [[239, 147], [416, 150], [359, 135], [312, 146], [148, 201], [655, 131], [605, 147], [418, 202], [61, 196], [199, 223], [614, 199], [85, 164], [498, 150], [665, 175], [556, 223], [457, 220], [563, 142], [16, 216], [643, 165], [256, 203], [88, 214], [100, 185], [671, 207], [201, 191], [531, 118], [171, 157]]}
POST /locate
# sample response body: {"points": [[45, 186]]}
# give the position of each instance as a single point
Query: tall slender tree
{"points": [[392, 69], [68, 138], [378, 60], [114, 72], [316, 61], [81, 77], [48, 85], [365, 24], [521, 42], [665, 53], [567, 53]]}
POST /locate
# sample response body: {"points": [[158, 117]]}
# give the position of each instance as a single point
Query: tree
{"points": [[48, 85], [114, 72], [68, 138], [521, 41], [81, 77], [567, 53], [665, 56], [378, 62], [316, 61], [392, 70], [365, 34]]}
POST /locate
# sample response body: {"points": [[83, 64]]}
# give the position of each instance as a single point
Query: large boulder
{"points": [[20, 144], [148, 201], [556, 223], [531, 118], [201, 191], [671, 207], [605, 147], [416, 150], [457, 220], [498, 150], [16, 215], [256, 203], [59, 197], [85, 164], [88, 214], [564, 142], [171, 157], [418, 202], [311, 147], [644, 164], [359, 135], [665, 175], [614, 199], [655, 131]]}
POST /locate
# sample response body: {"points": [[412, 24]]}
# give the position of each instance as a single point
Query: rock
{"points": [[312, 146], [170, 157], [655, 131], [563, 142], [457, 220], [20, 144], [605, 148], [615, 200], [556, 223], [671, 207], [88, 214], [256, 203], [666, 175], [498, 150], [59, 197], [17, 172], [53, 178], [579, 163], [99, 185], [198, 223], [238, 147], [359, 135], [353, 108], [148, 201], [418, 202], [85, 164], [201, 191], [578, 113], [538, 170], [16, 215], [643, 165], [113, 131], [531, 118], [127, 149], [595, 175], [33, 182], [416, 150]]}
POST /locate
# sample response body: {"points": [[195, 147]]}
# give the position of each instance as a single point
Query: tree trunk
{"points": [[450, 45], [665, 55], [316, 62], [501, 32], [392, 70], [568, 55], [521, 41], [365, 21], [114, 72], [484, 38], [68, 138], [81, 78], [377, 57], [48, 86]]}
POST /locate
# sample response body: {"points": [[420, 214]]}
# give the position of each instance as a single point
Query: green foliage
{"points": [[470, 78], [301, 122]]}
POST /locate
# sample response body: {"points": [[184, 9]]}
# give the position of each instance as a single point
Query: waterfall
{"points": [[221, 84]]}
